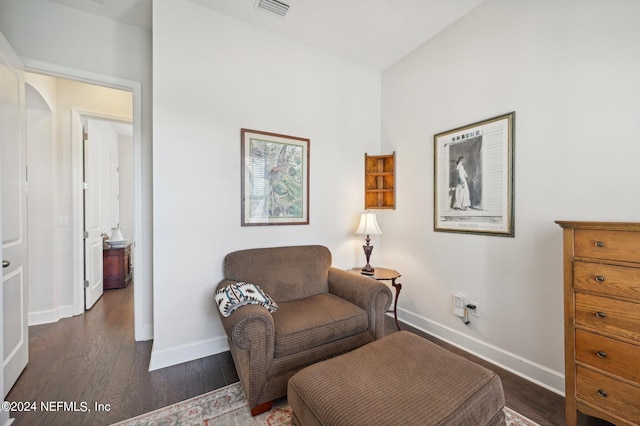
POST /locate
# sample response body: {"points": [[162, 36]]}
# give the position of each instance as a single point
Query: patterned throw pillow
{"points": [[233, 296]]}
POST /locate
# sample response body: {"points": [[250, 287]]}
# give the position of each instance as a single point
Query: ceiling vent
{"points": [[274, 6]]}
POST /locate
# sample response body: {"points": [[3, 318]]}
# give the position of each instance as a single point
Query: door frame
{"points": [[141, 304]]}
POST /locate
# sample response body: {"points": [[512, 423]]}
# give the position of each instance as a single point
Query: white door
{"points": [[15, 331], [92, 222]]}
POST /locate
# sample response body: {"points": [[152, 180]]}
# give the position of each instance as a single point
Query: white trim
{"points": [[83, 76], [173, 356], [49, 316], [77, 212], [65, 311], [135, 87], [532, 371], [146, 332]]}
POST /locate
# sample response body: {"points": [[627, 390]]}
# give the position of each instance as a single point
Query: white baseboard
{"points": [[525, 368], [146, 333], [49, 316], [65, 311], [177, 355]]}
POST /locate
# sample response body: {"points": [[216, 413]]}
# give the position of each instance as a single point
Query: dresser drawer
{"points": [[607, 279], [611, 316], [612, 356], [609, 394], [612, 245]]}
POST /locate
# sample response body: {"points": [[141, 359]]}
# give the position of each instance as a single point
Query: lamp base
{"points": [[367, 270]]}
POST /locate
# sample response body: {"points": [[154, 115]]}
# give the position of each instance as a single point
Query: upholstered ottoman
{"points": [[401, 379]]}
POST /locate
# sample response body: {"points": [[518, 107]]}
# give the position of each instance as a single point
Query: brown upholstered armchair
{"points": [[322, 312]]}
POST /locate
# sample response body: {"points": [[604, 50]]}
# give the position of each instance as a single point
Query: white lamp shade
{"points": [[368, 225]]}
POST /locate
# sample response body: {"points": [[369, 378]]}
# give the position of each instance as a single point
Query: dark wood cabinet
{"points": [[116, 267]]}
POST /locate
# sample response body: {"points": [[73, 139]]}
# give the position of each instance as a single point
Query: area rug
{"points": [[228, 406], [221, 407]]}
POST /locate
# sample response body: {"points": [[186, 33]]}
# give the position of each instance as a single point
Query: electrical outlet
{"points": [[458, 305], [474, 312]]}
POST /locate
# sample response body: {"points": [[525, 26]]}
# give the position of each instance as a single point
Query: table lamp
{"points": [[368, 226]]}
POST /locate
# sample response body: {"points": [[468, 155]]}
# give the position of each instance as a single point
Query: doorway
{"points": [[108, 204], [62, 295]]}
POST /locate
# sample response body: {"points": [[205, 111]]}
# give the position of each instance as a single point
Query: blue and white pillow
{"points": [[233, 296]]}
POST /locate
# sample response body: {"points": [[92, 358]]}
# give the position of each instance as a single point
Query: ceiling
{"points": [[374, 33]]}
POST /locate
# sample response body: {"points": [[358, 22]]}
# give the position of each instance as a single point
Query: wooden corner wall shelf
{"points": [[379, 181]]}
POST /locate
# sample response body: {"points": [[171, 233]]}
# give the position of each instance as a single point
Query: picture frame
{"points": [[274, 179], [473, 178]]}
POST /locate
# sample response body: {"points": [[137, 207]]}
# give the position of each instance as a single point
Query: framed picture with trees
{"points": [[274, 179]]}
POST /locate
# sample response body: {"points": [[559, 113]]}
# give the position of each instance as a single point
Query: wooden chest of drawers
{"points": [[116, 267], [602, 320]]}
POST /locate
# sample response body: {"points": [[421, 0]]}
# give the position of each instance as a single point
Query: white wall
{"points": [[62, 40], [214, 75], [570, 71], [41, 145], [49, 32]]}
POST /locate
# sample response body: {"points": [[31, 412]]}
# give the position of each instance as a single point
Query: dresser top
{"points": [[609, 226]]}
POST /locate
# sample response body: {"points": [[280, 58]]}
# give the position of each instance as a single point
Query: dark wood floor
{"points": [[92, 359]]}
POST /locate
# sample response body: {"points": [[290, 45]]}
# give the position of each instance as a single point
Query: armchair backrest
{"points": [[284, 273]]}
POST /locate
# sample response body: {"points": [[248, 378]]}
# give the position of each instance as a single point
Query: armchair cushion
{"points": [[314, 321], [285, 273]]}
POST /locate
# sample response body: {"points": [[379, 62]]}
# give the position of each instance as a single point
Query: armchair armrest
{"points": [[251, 334], [371, 295]]}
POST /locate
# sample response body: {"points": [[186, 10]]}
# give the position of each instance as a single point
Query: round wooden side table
{"points": [[385, 274]]}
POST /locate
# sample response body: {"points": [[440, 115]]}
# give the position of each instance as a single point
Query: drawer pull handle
{"points": [[601, 354], [603, 393], [601, 315], [599, 244], [600, 278]]}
